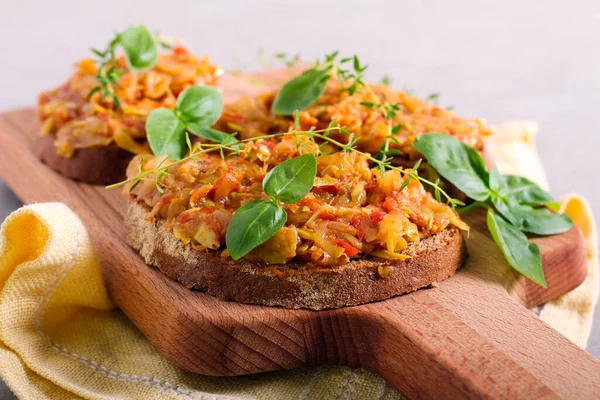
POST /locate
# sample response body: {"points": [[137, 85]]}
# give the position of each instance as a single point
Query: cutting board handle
{"points": [[500, 351], [424, 348]]}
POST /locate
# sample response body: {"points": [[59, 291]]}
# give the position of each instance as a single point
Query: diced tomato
{"points": [[231, 116], [215, 226], [128, 123], [224, 185], [165, 199], [306, 120], [390, 203], [377, 215], [348, 249], [327, 216], [211, 193], [331, 189], [312, 203], [370, 186], [186, 216], [180, 50]]}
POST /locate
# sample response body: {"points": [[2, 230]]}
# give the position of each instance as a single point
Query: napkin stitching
{"points": [[45, 301], [382, 390], [312, 383], [348, 386]]}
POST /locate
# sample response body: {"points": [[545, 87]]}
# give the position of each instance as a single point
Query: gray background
{"points": [[502, 60]]}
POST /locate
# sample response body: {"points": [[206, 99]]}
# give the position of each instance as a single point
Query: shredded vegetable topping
{"points": [[78, 121], [251, 117], [351, 211]]}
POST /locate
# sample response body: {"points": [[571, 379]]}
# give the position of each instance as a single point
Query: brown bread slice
{"points": [[294, 285], [101, 165]]}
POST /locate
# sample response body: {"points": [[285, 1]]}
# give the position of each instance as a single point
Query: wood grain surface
{"points": [[469, 337]]}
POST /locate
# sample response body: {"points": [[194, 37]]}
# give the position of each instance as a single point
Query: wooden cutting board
{"points": [[472, 336]]}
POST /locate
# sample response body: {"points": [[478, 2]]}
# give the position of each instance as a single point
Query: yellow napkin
{"points": [[61, 337]]}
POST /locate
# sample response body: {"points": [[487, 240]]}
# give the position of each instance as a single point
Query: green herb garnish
{"points": [[198, 107], [291, 180], [166, 133], [302, 91], [252, 225], [257, 221], [515, 204], [520, 253], [139, 47], [287, 60], [141, 54], [433, 98]]}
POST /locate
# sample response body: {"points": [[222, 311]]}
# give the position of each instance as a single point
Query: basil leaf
{"points": [[166, 134], [512, 203], [457, 162], [253, 224], [527, 192], [496, 181], [211, 134], [539, 221], [521, 254], [139, 47], [301, 92], [201, 105], [291, 180]]}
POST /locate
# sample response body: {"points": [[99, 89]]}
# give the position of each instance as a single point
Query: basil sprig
{"points": [[515, 204], [197, 108], [139, 47], [257, 221], [141, 53], [457, 162], [521, 213], [517, 250], [291, 180], [303, 90], [166, 133]]}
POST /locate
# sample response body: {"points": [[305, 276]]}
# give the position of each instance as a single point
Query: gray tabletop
{"points": [[499, 60]]}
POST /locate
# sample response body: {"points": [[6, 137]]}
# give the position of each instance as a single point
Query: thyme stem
{"points": [[322, 134]]}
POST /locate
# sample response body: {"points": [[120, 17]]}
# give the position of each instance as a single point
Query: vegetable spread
{"points": [[352, 210], [81, 121], [251, 117]]}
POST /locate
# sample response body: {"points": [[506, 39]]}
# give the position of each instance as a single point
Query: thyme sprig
{"points": [[107, 74], [288, 60], [235, 149]]}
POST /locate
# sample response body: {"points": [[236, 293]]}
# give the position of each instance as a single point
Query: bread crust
{"points": [[100, 165], [294, 285]]}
